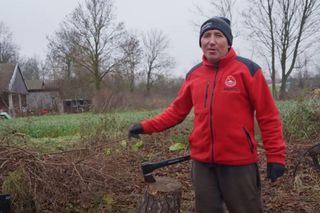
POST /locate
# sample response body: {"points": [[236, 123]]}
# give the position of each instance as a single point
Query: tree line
{"points": [[284, 34], [90, 44], [92, 48]]}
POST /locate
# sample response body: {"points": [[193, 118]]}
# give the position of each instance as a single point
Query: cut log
{"points": [[162, 196]]}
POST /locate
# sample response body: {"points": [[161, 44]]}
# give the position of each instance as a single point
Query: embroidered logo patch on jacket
{"points": [[230, 81]]}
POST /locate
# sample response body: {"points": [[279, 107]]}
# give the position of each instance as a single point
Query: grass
{"points": [[47, 144], [57, 132], [61, 131], [53, 126], [46, 126], [301, 120]]}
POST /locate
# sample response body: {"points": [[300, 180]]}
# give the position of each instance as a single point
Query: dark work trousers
{"points": [[236, 186]]}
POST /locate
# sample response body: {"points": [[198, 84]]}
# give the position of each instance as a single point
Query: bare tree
{"points": [[284, 29], [156, 60], [31, 68], [303, 72], [95, 36], [224, 8], [131, 58], [62, 49], [99, 35], [8, 49], [218, 8]]}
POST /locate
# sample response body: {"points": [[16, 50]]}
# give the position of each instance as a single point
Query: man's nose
{"points": [[212, 39]]}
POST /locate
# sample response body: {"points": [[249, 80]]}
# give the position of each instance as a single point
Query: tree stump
{"points": [[162, 196]]}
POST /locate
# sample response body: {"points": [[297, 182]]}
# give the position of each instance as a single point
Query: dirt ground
{"points": [[107, 177], [288, 194]]}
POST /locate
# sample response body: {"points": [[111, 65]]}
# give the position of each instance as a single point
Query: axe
{"points": [[147, 168]]}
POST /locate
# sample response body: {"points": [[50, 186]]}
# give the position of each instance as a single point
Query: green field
{"points": [[52, 132], [68, 124], [58, 131]]}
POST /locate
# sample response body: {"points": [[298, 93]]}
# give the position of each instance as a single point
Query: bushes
{"points": [[301, 121], [108, 101], [16, 184]]}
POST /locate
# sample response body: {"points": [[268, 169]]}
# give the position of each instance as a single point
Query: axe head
{"points": [[148, 168], [147, 173], [149, 178]]}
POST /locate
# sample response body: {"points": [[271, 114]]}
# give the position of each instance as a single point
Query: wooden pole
{"points": [[162, 196], [11, 106], [20, 102]]}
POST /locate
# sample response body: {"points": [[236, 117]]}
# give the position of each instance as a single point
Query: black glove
{"points": [[275, 170], [135, 130]]}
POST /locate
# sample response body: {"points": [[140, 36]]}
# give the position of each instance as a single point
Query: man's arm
{"points": [[268, 118], [174, 114], [270, 125]]}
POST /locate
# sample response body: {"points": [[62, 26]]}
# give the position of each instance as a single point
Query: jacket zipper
{"points": [[211, 111], [206, 95], [248, 139]]}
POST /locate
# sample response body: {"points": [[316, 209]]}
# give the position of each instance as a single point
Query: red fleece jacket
{"points": [[225, 98]]}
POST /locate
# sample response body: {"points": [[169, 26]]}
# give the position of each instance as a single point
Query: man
{"points": [[226, 91]]}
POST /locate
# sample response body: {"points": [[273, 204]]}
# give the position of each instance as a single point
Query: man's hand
{"points": [[135, 130], [275, 170]]}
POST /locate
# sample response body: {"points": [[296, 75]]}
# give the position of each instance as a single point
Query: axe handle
{"points": [[149, 167]]}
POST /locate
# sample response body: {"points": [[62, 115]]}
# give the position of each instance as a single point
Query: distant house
{"points": [[54, 96], [43, 97], [13, 89], [20, 96]]}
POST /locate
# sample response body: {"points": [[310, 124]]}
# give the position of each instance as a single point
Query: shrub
{"points": [[108, 101], [17, 185], [302, 121]]}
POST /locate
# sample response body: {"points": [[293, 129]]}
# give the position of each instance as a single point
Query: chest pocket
{"points": [[201, 95]]}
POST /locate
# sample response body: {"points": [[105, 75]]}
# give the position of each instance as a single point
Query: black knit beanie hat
{"points": [[219, 23]]}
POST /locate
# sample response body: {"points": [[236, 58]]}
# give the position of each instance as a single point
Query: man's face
{"points": [[214, 45]]}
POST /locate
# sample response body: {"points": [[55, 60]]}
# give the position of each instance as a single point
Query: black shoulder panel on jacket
{"points": [[252, 67], [193, 69]]}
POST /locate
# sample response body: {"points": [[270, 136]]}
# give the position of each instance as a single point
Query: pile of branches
{"points": [[84, 178]]}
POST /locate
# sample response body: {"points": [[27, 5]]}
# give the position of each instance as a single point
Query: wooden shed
{"points": [[43, 96]]}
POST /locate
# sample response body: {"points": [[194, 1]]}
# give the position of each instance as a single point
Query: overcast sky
{"points": [[31, 21]]}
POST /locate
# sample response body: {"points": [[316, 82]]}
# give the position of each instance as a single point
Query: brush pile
{"points": [[105, 176], [89, 178]]}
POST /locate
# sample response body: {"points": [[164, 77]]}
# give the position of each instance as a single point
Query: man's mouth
{"points": [[212, 51]]}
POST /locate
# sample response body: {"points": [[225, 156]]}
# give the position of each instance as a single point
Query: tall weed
{"points": [[107, 126], [302, 121]]}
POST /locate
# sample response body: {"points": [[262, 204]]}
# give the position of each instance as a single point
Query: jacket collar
{"points": [[223, 61]]}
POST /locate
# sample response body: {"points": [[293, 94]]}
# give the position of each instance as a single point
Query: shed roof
{"points": [[6, 72], [11, 79], [35, 84], [40, 85]]}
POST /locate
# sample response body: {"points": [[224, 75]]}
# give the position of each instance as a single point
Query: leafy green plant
{"points": [[136, 146], [177, 147], [179, 137]]}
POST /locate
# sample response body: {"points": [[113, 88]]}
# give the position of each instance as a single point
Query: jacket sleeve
{"points": [[174, 114], [268, 119]]}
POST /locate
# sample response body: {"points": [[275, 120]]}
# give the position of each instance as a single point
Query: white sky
{"points": [[31, 21]]}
